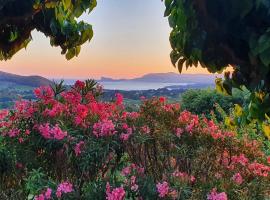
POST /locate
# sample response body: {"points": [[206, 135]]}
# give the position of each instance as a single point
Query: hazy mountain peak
{"points": [[169, 77], [32, 81]]}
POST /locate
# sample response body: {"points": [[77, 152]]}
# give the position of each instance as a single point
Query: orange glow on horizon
{"points": [[132, 43]]}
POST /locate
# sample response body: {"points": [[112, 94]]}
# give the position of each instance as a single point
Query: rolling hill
{"points": [[9, 79]]}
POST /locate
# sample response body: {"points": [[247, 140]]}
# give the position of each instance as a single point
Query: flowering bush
{"points": [[70, 145]]}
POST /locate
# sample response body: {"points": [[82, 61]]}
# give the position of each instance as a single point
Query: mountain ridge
{"points": [[32, 81], [169, 77]]}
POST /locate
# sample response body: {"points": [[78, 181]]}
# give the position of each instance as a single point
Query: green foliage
{"points": [[57, 19], [203, 101], [94, 190], [217, 33]]}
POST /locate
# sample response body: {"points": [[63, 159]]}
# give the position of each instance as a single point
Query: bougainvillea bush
{"points": [[70, 145]]}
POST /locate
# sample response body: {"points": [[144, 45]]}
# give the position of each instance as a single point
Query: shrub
{"points": [[70, 145], [203, 101]]}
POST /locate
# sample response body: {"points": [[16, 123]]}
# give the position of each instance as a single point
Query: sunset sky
{"points": [[131, 38]]}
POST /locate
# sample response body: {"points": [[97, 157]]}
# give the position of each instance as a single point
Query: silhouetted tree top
{"points": [[57, 19], [218, 33]]}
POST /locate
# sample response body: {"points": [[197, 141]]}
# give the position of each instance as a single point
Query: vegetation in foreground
{"points": [[70, 145]]}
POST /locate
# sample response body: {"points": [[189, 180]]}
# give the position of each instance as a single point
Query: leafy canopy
{"points": [[218, 33], [57, 19]]}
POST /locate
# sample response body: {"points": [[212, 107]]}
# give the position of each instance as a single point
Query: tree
{"points": [[56, 19], [218, 33], [204, 101]]}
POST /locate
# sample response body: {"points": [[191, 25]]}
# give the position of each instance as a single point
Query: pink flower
{"points": [[162, 99], [79, 84], [45, 130], [81, 114], [126, 171], [119, 99], [44, 196], [13, 132], [54, 132], [146, 129], [78, 147], [48, 193], [217, 196], [64, 187], [40, 197], [44, 92], [259, 169], [163, 189], [27, 132], [185, 117], [104, 128], [179, 132], [133, 115], [192, 179], [115, 194], [237, 178], [124, 137], [3, 114], [242, 159], [20, 140], [57, 133], [134, 187]]}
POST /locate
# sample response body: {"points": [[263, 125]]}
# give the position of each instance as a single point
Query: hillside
{"points": [[15, 80]]}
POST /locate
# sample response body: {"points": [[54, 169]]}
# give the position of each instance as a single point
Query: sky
{"points": [[131, 38]]}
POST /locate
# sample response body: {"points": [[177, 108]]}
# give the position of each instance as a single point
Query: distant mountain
{"points": [[107, 79], [169, 77], [31, 81]]}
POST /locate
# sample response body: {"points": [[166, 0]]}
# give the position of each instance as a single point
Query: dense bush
{"points": [[203, 101], [70, 145]]}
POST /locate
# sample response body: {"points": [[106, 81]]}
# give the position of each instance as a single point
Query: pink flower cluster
{"points": [[3, 113], [237, 178], [163, 189], [129, 172], [241, 159], [217, 196], [54, 108], [54, 132], [132, 168], [104, 128], [259, 169], [146, 129], [184, 176], [119, 99], [81, 114], [24, 109], [79, 84], [255, 168], [128, 130], [13, 132], [78, 148], [64, 188], [45, 196], [189, 120], [44, 92], [179, 132], [116, 194]]}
